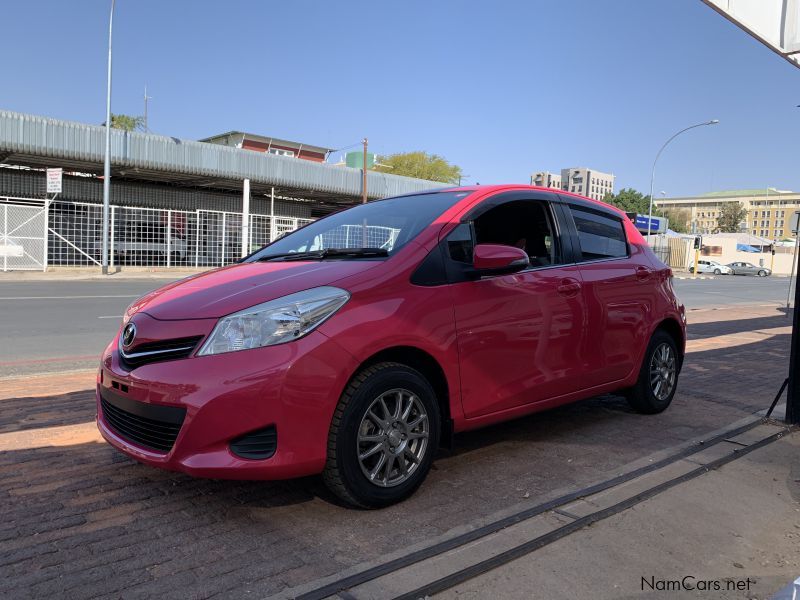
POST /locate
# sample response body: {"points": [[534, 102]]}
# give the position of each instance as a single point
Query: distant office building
{"points": [[587, 182], [769, 211], [261, 143], [546, 179]]}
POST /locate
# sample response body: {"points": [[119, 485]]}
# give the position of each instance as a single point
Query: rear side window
{"points": [[600, 236]]}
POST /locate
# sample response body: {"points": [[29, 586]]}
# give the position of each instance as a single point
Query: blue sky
{"points": [[502, 88]]}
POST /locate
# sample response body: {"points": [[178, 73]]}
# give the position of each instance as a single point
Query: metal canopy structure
{"points": [[776, 24], [40, 142]]}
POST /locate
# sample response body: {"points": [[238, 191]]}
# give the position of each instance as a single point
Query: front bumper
{"points": [[292, 387]]}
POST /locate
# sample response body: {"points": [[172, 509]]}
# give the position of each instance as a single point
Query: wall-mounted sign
{"points": [[54, 181]]}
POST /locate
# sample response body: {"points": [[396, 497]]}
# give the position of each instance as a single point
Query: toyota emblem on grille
{"points": [[128, 334]]}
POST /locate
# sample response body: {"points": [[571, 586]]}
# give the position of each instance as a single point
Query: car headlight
{"points": [[275, 322]]}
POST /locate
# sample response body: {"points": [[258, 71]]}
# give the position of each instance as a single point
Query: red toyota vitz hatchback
{"points": [[355, 346]]}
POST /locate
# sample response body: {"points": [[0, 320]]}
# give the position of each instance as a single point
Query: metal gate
{"points": [[35, 233], [23, 234]]}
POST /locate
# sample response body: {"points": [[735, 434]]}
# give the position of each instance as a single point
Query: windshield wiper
{"points": [[327, 253]]}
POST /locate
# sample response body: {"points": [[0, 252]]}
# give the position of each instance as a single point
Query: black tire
{"points": [[762, 273], [641, 396], [343, 470], [717, 272], [691, 269]]}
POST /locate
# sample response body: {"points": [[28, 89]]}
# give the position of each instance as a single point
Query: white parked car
{"points": [[711, 266]]}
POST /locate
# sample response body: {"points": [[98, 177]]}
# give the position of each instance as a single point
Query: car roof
{"points": [[511, 187]]}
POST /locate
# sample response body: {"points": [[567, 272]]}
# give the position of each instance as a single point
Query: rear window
{"points": [[601, 236]]}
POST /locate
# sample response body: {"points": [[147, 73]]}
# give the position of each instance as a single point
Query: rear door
{"points": [[617, 283], [519, 335]]}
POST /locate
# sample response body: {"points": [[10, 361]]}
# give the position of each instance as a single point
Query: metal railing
{"points": [[155, 237]]}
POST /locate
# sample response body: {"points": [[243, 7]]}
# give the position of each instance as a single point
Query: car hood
{"points": [[223, 291]]}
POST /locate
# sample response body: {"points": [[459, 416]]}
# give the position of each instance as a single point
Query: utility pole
{"points": [[107, 164], [364, 175], [146, 98]]}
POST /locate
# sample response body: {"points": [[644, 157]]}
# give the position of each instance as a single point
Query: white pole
{"points": [[272, 216], [46, 235], [246, 218], [111, 250], [107, 165], [169, 238]]}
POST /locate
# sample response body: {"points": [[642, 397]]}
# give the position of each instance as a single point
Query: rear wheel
{"points": [[383, 436], [658, 377], [691, 269]]}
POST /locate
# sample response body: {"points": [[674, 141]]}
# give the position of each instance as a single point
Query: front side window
{"points": [[600, 236], [459, 244], [525, 224], [385, 225]]}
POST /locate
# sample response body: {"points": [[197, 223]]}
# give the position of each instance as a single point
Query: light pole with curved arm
{"points": [[653, 174]]}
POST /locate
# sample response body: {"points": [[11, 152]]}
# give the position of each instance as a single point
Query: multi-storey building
{"points": [[261, 143], [769, 211], [546, 179], [587, 182]]}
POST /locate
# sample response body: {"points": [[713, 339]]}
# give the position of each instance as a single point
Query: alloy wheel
{"points": [[392, 437], [663, 370]]}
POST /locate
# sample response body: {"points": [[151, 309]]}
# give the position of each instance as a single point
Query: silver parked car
{"points": [[711, 266], [746, 268]]}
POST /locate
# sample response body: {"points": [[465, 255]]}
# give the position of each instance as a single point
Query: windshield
{"points": [[385, 225]]}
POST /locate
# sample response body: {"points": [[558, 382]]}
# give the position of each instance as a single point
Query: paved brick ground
{"points": [[82, 521]]}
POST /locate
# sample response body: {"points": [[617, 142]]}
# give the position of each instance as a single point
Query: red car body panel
{"points": [[507, 345], [222, 291]]}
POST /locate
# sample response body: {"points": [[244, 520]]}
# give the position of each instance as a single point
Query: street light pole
{"points": [[107, 165], [653, 174]]}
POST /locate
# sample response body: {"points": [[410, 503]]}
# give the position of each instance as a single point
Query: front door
{"points": [[519, 335]]}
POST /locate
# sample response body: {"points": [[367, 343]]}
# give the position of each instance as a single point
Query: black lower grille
{"points": [[152, 426], [151, 352], [256, 445]]}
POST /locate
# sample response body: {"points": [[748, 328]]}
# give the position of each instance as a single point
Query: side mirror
{"points": [[497, 259]]}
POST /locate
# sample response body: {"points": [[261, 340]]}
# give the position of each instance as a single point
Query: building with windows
{"points": [[546, 179], [260, 143], [587, 182], [769, 211]]}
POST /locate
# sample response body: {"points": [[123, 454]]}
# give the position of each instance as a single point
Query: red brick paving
{"points": [[81, 520]]}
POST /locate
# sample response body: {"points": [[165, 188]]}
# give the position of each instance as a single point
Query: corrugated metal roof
{"points": [[46, 141]]}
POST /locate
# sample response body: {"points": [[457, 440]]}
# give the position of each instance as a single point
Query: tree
{"points": [[629, 200], [731, 214], [679, 219], [421, 165], [127, 122]]}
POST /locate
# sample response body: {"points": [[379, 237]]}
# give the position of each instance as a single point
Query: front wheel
{"points": [[717, 272], [658, 377], [762, 273], [383, 436]]}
